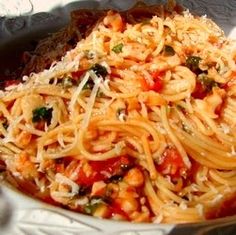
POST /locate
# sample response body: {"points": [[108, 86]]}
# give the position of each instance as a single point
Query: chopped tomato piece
{"points": [[60, 168], [158, 83], [144, 84], [76, 75], [115, 208], [172, 164], [103, 170], [219, 109], [157, 86], [200, 92]]}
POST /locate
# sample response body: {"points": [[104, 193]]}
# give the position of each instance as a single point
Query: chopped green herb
{"points": [[207, 82], [42, 114], [118, 48], [93, 205], [99, 70], [168, 50], [192, 62]]}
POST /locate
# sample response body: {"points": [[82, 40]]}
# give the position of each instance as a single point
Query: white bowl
{"points": [[23, 20]]}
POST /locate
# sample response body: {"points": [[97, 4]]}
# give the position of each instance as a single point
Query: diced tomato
{"points": [[88, 179], [114, 73], [157, 86], [158, 83], [144, 84], [219, 109], [103, 170], [60, 168], [171, 163], [200, 91], [157, 75], [115, 209], [76, 75]]}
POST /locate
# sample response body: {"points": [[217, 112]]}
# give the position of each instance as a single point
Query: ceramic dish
{"points": [[21, 20]]}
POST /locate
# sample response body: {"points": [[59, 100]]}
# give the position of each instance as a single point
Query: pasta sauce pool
{"points": [[226, 208]]}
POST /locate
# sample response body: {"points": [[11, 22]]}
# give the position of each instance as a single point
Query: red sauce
{"points": [[115, 208], [226, 208]]}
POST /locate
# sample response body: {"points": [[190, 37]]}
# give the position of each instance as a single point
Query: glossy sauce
{"points": [[226, 208]]}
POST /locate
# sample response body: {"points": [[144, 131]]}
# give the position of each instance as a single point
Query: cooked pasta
{"points": [[137, 122]]}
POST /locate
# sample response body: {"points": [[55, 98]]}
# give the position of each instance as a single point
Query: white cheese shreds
{"points": [[183, 205], [158, 219], [225, 128], [217, 198], [61, 179], [90, 104], [199, 208], [78, 91], [119, 147], [81, 201]]}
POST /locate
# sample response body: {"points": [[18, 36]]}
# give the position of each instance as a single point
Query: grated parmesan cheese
{"points": [[225, 128], [199, 208], [81, 201], [233, 152], [183, 205], [61, 179], [158, 219], [118, 147], [91, 100], [78, 91], [217, 198]]}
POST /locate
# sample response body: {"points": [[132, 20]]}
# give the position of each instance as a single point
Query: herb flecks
{"points": [[207, 82], [192, 62], [99, 70], [93, 204], [118, 48], [42, 114]]}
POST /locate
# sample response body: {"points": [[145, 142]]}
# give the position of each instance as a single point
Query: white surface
{"points": [[32, 217]]}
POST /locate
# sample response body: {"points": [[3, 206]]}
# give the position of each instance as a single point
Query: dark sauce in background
{"points": [[12, 50]]}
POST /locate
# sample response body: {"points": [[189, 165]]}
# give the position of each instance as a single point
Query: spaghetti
{"points": [[137, 122]]}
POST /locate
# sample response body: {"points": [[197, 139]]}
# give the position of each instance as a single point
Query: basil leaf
{"points": [[118, 48], [192, 62], [99, 70], [42, 114]]}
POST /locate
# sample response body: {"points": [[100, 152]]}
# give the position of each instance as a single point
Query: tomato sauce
{"points": [[226, 208]]}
